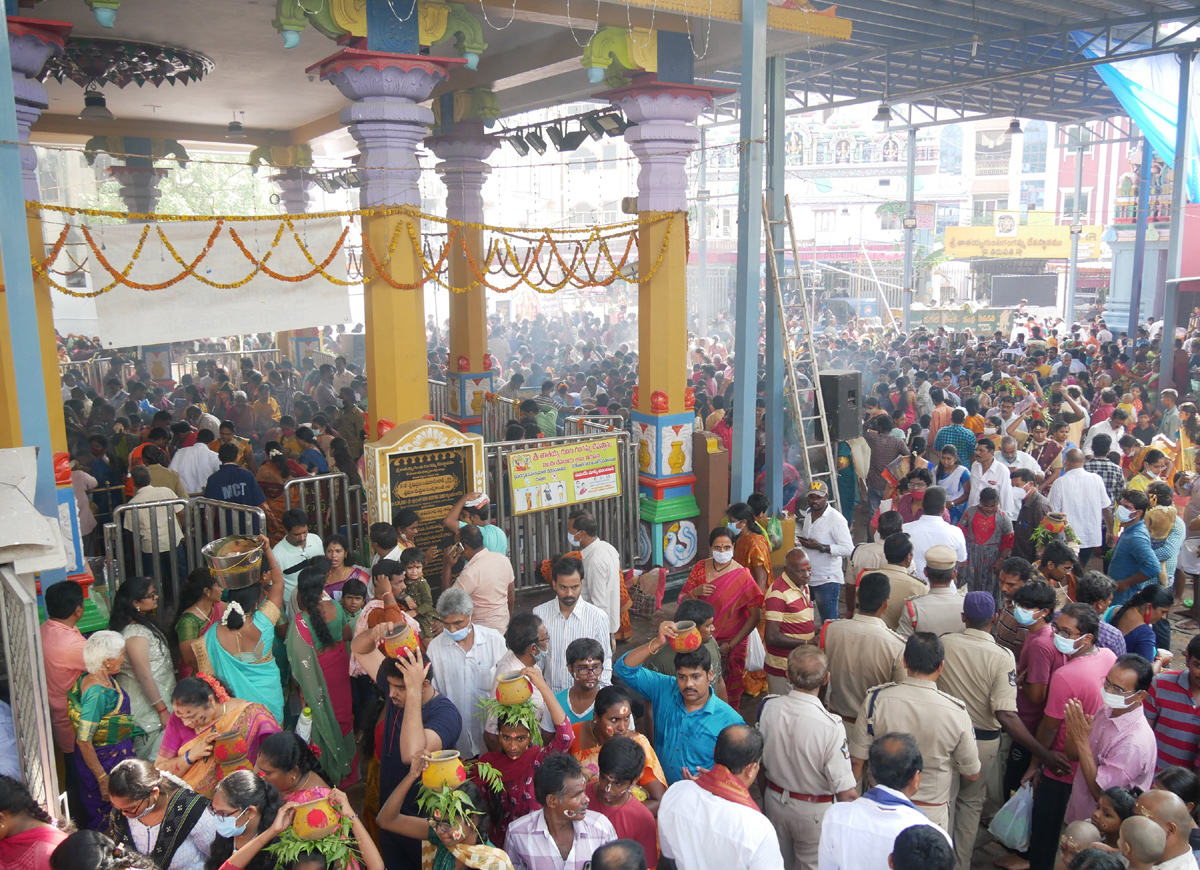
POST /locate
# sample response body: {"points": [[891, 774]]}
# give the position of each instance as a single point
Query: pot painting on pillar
{"points": [[676, 455], [647, 437]]}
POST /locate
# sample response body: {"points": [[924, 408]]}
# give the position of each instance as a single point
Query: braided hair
{"points": [[91, 850], [310, 587], [16, 799]]}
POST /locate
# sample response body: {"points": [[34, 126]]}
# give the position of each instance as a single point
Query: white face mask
{"points": [[722, 557], [1114, 701], [1124, 514], [1065, 645]]}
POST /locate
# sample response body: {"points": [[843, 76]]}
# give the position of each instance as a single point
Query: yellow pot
{"points": [[687, 638], [445, 769], [315, 819], [402, 638], [513, 688]]}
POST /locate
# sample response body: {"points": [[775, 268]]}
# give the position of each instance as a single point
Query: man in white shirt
{"points": [[342, 376], [712, 821], [826, 540], [985, 472], [601, 565], [1083, 497], [298, 545], [930, 530], [1114, 427], [159, 533], [861, 834], [195, 464], [1012, 456]]}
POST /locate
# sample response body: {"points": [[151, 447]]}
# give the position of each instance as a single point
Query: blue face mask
{"points": [[1023, 616], [461, 634], [732, 530], [227, 826], [540, 656]]}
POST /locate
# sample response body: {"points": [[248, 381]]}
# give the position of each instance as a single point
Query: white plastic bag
{"points": [[756, 653], [1012, 824]]}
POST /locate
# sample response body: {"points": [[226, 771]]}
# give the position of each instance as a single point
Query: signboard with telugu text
{"points": [[564, 474], [982, 321], [1038, 242]]}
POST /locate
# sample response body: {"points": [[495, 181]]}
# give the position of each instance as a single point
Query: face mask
{"points": [[147, 811], [540, 656], [1124, 514], [573, 540], [1065, 645], [988, 430], [228, 826], [733, 530], [1023, 616], [1114, 701], [461, 634], [722, 557]]}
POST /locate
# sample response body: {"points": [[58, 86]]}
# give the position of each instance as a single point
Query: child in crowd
{"points": [[1141, 843], [1114, 807], [617, 796], [418, 598], [354, 597]]}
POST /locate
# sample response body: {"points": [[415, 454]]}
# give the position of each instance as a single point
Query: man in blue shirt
{"points": [[688, 717], [235, 484], [1133, 563]]}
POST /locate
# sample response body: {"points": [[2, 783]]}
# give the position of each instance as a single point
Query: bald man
{"points": [[1083, 497], [1141, 842], [1171, 814]]}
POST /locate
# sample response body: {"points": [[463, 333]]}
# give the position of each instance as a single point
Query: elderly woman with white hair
{"points": [[464, 657], [104, 727]]}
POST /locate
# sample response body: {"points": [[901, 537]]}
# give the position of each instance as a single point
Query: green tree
{"points": [[201, 188]]}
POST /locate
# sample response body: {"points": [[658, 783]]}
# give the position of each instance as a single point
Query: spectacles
{"points": [[588, 669], [1109, 686], [232, 815], [1062, 632]]}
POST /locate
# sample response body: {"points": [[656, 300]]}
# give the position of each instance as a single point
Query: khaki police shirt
{"points": [[939, 722], [981, 673], [806, 750], [939, 611], [904, 585], [862, 652]]}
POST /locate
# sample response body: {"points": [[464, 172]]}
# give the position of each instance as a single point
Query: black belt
{"points": [[980, 734]]}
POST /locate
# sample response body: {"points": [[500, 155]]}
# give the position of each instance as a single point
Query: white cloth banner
{"points": [[191, 309]]}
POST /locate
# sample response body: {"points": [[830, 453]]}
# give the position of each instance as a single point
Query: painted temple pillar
{"points": [[295, 185], [663, 136], [463, 151], [139, 185], [389, 124]]}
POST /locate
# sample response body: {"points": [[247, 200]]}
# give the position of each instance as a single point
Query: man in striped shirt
{"points": [[1173, 713], [789, 618], [568, 617]]}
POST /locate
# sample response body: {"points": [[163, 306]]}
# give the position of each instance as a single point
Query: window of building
{"points": [[824, 218], [984, 207], [993, 150], [1035, 142], [1068, 208], [1033, 195], [947, 216], [950, 151]]}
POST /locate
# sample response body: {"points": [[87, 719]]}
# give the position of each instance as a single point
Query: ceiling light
{"points": [[235, 131], [1014, 128], [535, 140], [518, 144], [616, 124], [556, 136], [95, 108], [883, 115], [591, 123]]}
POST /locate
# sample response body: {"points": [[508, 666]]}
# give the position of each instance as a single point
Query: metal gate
{"points": [[599, 425], [332, 505], [26, 672], [230, 360], [168, 574], [533, 538], [438, 397], [212, 519], [497, 413]]}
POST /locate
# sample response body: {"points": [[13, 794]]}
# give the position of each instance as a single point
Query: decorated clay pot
{"points": [[315, 819], [687, 637], [513, 688], [230, 749], [445, 769], [659, 403], [402, 638], [676, 459], [1054, 523]]}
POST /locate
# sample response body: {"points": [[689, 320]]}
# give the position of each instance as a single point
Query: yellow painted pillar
{"points": [[46, 339], [463, 152], [662, 312], [389, 123]]}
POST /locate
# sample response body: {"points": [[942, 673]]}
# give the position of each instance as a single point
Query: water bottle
{"points": [[304, 725]]}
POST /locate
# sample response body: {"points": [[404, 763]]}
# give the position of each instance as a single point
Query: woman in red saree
{"points": [[29, 836], [732, 591], [276, 471]]}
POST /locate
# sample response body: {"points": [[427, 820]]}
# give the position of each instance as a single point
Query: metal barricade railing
{"points": [[170, 554], [212, 519], [599, 425], [326, 500], [497, 412], [535, 537], [323, 357], [26, 673], [358, 510], [230, 360], [438, 397]]}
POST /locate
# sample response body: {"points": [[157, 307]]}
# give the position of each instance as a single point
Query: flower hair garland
{"points": [[218, 689], [233, 607]]}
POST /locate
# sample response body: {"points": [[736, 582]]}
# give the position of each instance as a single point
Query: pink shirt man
{"points": [[1081, 678], [62, 650], [487, 578]]}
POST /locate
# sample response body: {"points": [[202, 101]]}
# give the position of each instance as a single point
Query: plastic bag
{"points": [[1012, 824], [756, 653]]}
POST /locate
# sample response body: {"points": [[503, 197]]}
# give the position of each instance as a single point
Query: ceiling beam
{"points": [[522, 62], [68, 125]]}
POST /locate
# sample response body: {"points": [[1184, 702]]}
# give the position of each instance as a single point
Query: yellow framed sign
{"points": [[564, 474]]}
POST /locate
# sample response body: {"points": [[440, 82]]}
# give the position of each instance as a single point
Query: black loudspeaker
{"points": [[842, 391]]}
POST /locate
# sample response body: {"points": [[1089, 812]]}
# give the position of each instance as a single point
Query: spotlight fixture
{"points": [[591, 123], [353, 178], [518, 144], [235, 131], [536, 142], [884, 114], [556, 136], [95, 108], [1014, 128], [615, 125], [566, 141]]}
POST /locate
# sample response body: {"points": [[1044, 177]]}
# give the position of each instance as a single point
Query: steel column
{"points": [[1073, 263], [1139, 239], [749, 248], [910, 280], [703, 300], [1178, 201], [775, 348]]}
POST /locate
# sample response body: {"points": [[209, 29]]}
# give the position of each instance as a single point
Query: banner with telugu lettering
{"points": [[1037, 242], [564, 474], [982, 321]]}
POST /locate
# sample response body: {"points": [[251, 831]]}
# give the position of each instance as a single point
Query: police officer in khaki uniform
{"points": [[939, 611], [983, 674], [898, 550], [862, 651], [806, 761], [938, 721]]}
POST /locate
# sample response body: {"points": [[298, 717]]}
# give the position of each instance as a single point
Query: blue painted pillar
{"points": [[1178, 203], [749, 247], [1139, 240], [776, 347]]}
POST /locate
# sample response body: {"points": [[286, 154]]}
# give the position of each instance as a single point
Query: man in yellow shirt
{"points": [[228, 435]]}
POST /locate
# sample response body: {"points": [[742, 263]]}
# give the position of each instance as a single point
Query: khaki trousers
{"points": [[968, 806], [798, 824]]}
